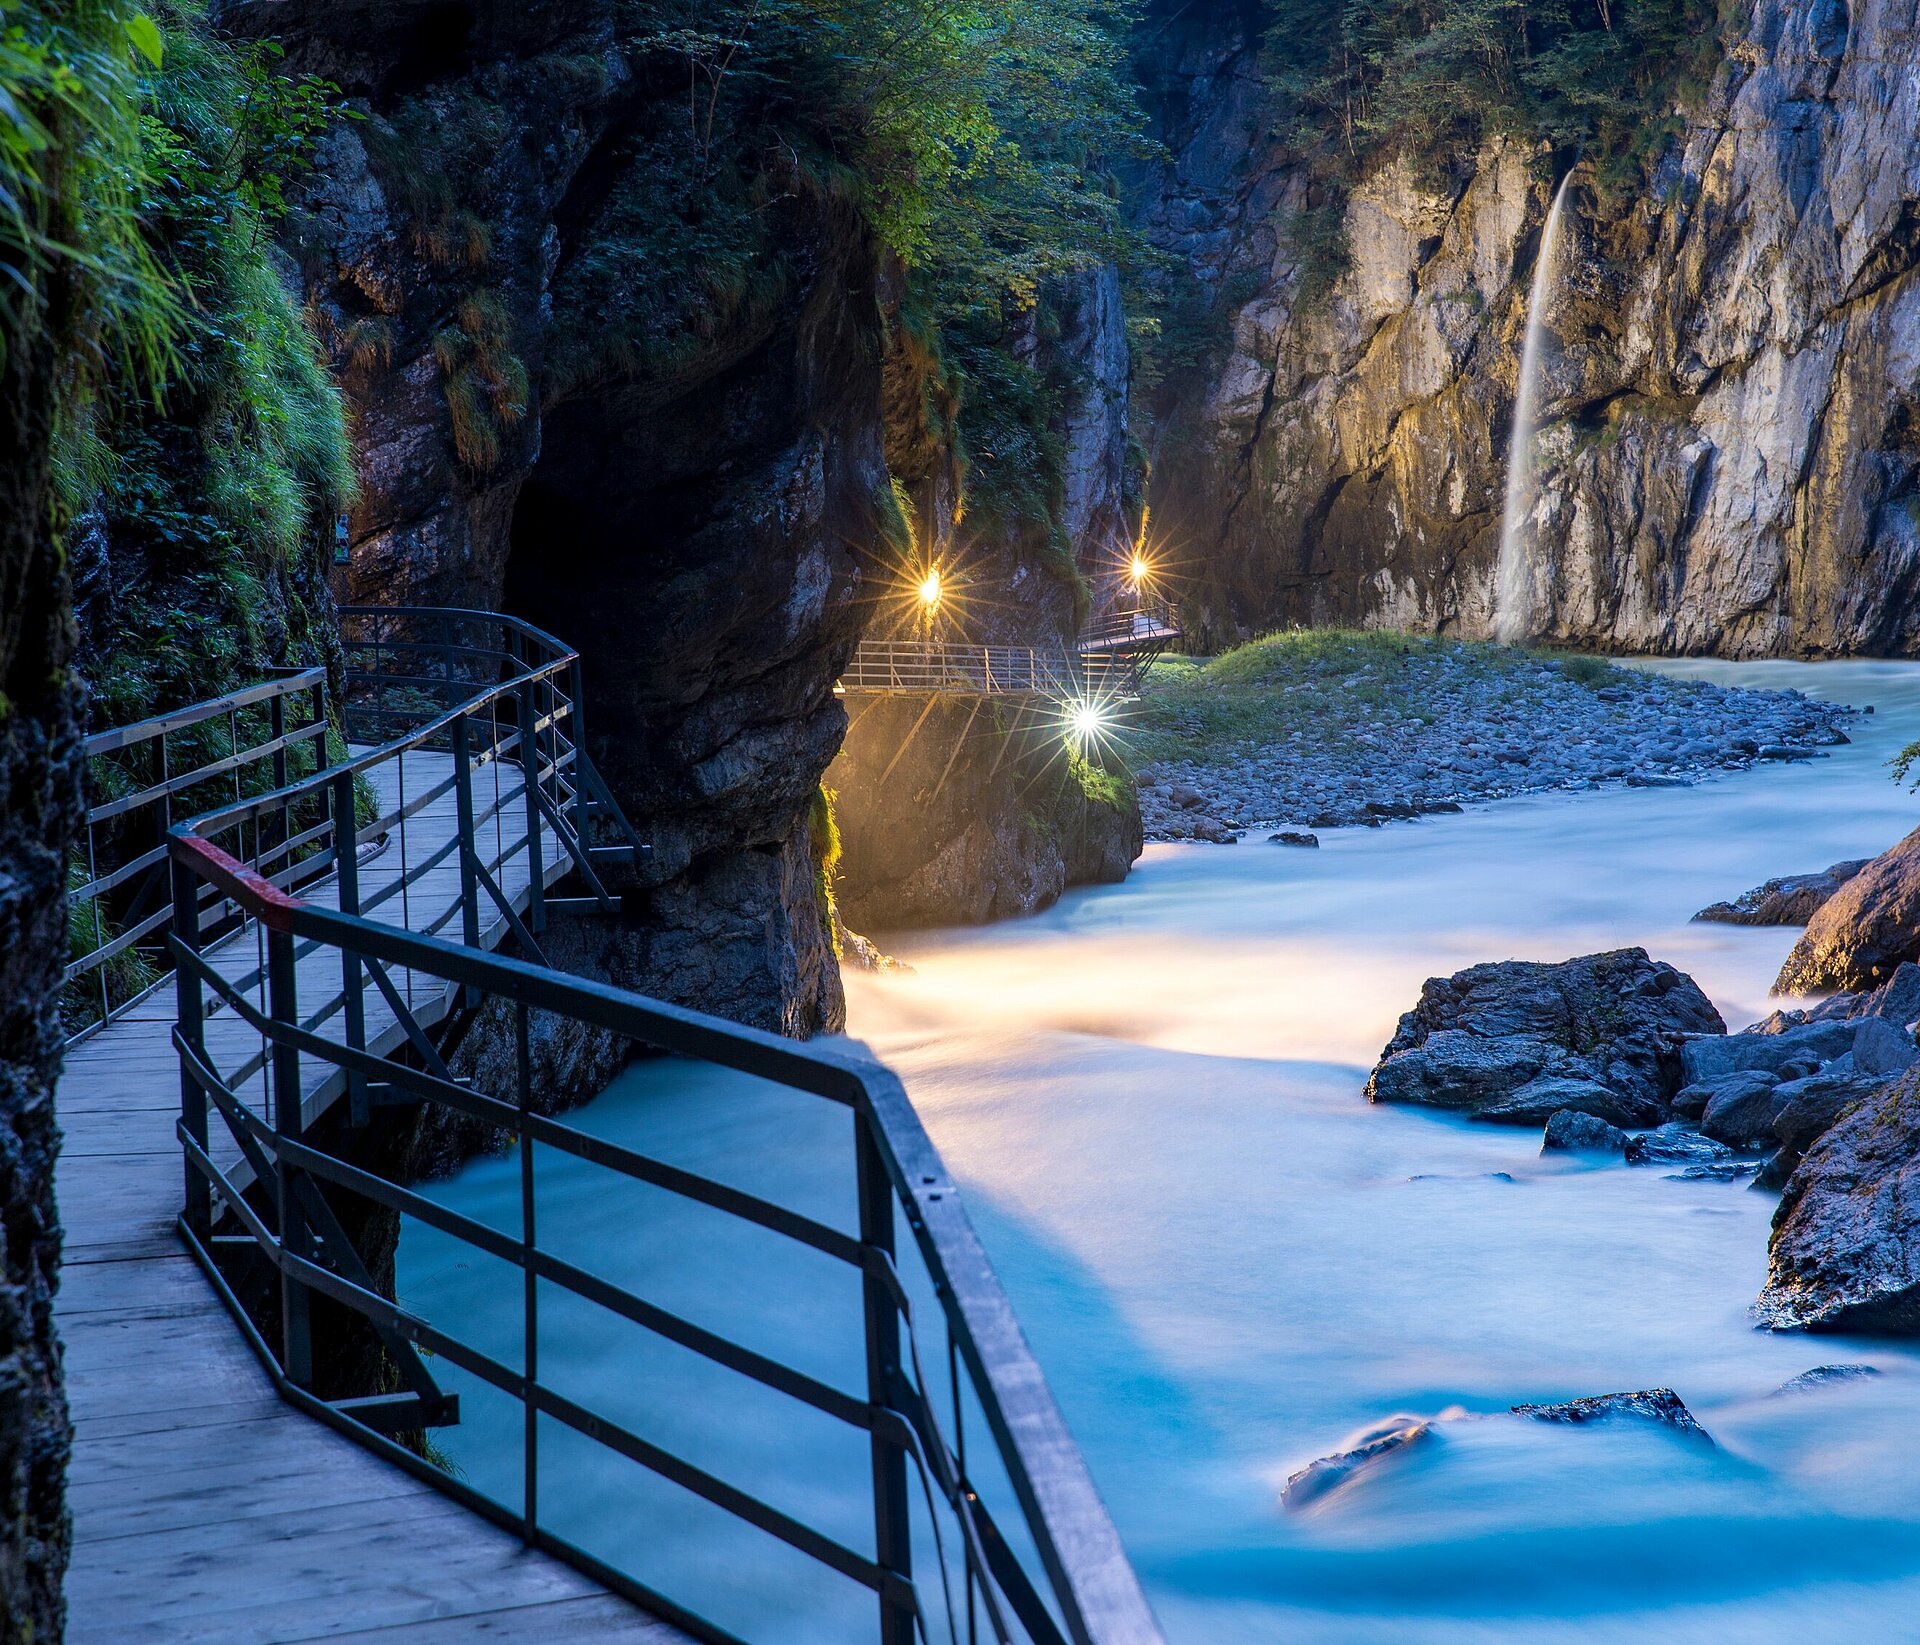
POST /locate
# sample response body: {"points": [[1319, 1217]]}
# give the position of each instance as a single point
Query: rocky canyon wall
{"points": [[1728, 458], [677, 486]]}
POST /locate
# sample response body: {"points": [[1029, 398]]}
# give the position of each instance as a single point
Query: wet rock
{"points": [[1550, 1094], [1214, 831], [1660, 1405], [1743, 1115], [1845, 1252], [1881, 1048], [1776, 1169], [1810, 1107], [1573, 1132], [1865, 931], [1823, 1376], [1368, 1449], [1603, 1034], [1293, 837], [1791, 900], [1674, 1143], [1809, 1044], [1692, 1101]]}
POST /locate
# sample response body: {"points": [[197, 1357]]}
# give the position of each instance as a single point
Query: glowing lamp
{"points": [[1139, 571], [1085, 722], [930, 590]]}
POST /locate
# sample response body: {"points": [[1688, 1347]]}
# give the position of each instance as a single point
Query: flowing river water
{"points": [[1228, 1262]]}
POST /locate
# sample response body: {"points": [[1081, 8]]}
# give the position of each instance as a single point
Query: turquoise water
{"points": [[1228, 1262]]}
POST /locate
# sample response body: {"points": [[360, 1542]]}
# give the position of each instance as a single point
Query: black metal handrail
{"points": [[1084, 1591], [118, 902], [916, 666]]}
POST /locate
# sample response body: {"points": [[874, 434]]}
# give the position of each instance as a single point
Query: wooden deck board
{"points": [[207, 1511]]}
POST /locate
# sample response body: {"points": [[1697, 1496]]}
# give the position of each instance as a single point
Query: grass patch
{"points": [[1316, 687]]}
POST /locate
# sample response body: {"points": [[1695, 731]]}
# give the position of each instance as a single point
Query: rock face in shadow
{"points": [[1845, 1251], [1518, 1041], [41, 807], [957, 811], [1728, 446], [1865, 931], [676, 484], [1791, 900]]}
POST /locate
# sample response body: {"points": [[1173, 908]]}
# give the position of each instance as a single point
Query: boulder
{"points": [[1743, 1116], [1676, 1144], [1660, 1405], [1295, 837], [1845, 1252], [1573, 1132], [1517, 1041], [1805, 1046], [1881, 1048], [1808, 1108], [1791, 900], [1691, 1101], [1868, 927], [1547, 1095]]}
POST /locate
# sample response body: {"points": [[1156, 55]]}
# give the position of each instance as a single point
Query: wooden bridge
{"points": [[332, 928]]}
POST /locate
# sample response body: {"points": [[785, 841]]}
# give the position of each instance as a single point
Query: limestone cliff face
{"points": [[1729, 453], [686, 517]]}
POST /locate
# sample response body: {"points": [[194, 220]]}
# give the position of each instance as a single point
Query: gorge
{"points": [[1507, 415]]}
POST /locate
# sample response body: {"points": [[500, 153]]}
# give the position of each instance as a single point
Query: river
{"points": [[1228, 1262]]}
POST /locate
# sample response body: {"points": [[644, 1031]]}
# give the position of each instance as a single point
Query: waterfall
{"points": [[1513, 616]]}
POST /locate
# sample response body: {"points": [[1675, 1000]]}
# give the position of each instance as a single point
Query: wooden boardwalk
{"points": [[206, 1511]]}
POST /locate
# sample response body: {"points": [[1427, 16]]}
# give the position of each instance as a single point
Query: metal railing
{"points": [[1052, 1573], [139, 778], [481, 796], [1146, 628], [931, 666]]}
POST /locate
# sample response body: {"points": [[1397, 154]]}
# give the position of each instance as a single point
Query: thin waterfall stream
{"points": [[1513, 612]]}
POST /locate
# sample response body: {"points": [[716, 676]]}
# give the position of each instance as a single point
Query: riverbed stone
{"points": [[1573, 1132], [1809, 1108], [1602, 1034], [1677, 1144], [1881, 1048], [1328, 1473], [1845, 1251], [1865, 931]]}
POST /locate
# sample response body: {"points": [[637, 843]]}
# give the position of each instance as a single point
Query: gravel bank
{"points": [[1329, 730]]}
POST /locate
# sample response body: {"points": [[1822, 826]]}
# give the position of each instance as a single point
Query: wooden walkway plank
{"points": [[206, 1510]]}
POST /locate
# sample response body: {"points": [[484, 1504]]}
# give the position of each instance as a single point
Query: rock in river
{"points": [[1572, 1132], [1845, 1253], [1660, 1405], [1518, 1041], [1865, 930], [1792, 900]]}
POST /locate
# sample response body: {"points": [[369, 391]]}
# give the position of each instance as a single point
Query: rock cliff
{"points": [[671, 483], [1728, 456]]}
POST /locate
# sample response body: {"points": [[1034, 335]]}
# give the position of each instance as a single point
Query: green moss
{"points": [[823, 834]]}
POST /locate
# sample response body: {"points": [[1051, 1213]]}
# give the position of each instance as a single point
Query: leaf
{"points": [[144, 34]]}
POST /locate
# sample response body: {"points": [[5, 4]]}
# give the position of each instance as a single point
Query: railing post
{"points": [[530, 769], [530, 1287], [277, 729], [353, 985], [463, 807], [296, 1330], [191, 1014], [892, 1524], [576, 684]]}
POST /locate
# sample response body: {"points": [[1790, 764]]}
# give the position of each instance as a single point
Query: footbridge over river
{"points": [[337, 885], [1105, 664]]}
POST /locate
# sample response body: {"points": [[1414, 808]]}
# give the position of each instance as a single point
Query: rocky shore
{"points": [[1323, 729]]}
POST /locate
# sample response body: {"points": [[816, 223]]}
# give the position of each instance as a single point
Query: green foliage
{"points": [[486, 383], [72, 246], [823, 832], [1098, 784], [216, 492], [1431, 79]]}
